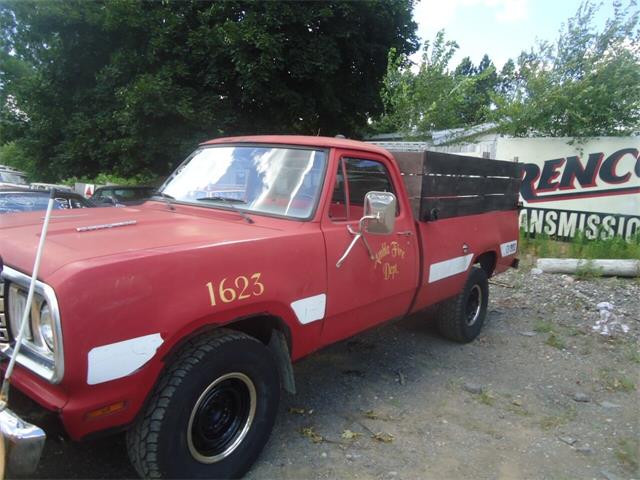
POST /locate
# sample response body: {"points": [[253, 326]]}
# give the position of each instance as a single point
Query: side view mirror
{"points": [[379, 219], [380, 212]]}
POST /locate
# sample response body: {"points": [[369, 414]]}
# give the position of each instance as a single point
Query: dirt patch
{"points": [[537, 395]]}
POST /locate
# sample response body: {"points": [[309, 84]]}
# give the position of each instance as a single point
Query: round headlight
{"points": [[46, 325]]}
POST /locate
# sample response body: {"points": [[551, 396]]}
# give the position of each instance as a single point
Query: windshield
{"points": [[271, 180], [25, 202]]}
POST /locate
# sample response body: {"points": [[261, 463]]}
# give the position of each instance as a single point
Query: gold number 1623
{"points": [[241, 289]]}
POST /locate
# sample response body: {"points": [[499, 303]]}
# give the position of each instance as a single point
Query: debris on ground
{"points": [[608, 323], [383, 437], [349, 435], [581, 397], [568, 440], [528, 334], [312, 435], [474, 388]]}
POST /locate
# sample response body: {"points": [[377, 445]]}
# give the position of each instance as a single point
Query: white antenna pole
{"points": [[4, 392]]}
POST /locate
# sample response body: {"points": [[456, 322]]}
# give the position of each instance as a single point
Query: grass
{"points": [[553, 421], [627, 453], [616, 381], [543, 326], [518, 410], [486, 397], [587, 270], [633, 354], [556, 341], [542, 245]]}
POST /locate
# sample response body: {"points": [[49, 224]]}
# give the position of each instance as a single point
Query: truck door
{"points": [[363, 292]]}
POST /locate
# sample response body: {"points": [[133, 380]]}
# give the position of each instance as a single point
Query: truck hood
{"points": [[77, 235]]}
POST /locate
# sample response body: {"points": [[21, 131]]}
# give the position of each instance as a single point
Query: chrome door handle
{"points": [[406, 233]]}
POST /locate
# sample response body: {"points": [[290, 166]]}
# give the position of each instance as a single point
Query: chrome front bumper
{"points": [[23, 443]]}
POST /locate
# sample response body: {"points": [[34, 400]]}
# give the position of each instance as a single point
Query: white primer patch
{"points": [[310, 309], [508, 248], [448, 268], [120, 359]]}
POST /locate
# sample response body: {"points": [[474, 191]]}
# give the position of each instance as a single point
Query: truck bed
{"points": [[466, 212], [442, 185]]}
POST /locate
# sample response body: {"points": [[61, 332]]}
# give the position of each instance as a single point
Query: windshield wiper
{"points": [[163, 195], [230, 202], [167, 199], [224, 199]]}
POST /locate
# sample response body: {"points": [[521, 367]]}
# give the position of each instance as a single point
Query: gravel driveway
{"points": [[537, 395]]}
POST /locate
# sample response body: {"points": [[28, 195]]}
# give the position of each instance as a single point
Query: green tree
{"points": [[435, 97], [129, 87], [480, 87], [586, 83]]}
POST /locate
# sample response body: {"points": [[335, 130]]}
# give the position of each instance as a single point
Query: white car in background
{"points": [[50, 186], [12, 177]]}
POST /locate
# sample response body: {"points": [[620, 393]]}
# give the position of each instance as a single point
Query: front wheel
{"points": [[461, 318], [211, 413]]}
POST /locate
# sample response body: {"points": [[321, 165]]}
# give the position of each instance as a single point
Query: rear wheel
{"points": [[461, 318], [211, 413]]}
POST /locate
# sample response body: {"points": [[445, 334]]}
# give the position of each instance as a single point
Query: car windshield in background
{"points": [[124, 194], [13, 202], [24, 202], [271, 180]]}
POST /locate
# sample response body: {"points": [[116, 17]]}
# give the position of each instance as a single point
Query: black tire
{"points": [[233, 381], [461, 318]]}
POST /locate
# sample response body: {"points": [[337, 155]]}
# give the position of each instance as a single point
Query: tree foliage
{"points": [[131, 86], [586, 83], [435, 96]]}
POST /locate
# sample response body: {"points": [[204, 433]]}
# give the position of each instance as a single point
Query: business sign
{"points": [[593, 187], [85, 189]]}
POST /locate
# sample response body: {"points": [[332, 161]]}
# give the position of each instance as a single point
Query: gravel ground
{"points": [[537, 395]]}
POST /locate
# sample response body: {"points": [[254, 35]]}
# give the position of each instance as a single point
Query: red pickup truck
{"points": [[178, 320]]}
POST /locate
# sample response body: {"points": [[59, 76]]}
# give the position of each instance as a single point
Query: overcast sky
{"points": [[500, 28]]}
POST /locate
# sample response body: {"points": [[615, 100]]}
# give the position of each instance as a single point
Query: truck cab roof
{"points": [[303, 140]]}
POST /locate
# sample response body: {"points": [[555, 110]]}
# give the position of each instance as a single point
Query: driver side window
{"points": [[354, 178]]}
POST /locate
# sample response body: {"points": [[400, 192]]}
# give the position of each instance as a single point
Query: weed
{"points": [[562, 418], [573, 331], [616, 382], [580, 246], [312, 435], [587, 270], [518, 410], [586, 350], [544, 246], [556, 341], [633, 354], [625, 384], [486, 397], [627, 453], [543, 326]]}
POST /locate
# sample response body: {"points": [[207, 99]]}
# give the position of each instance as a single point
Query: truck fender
{"points": [[278, 347]]}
